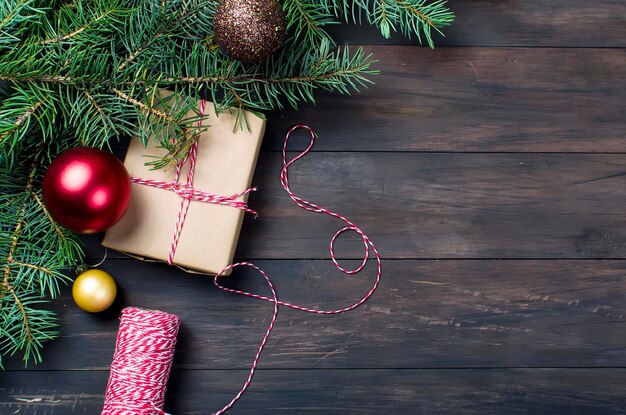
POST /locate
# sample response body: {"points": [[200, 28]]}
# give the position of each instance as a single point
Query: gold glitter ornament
{"points": [[249, 30]]}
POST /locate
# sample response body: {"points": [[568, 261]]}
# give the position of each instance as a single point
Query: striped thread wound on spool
{"points": [[143, 356]]}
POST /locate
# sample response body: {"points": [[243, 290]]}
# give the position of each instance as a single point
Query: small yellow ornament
{"points": [[94, 290]]}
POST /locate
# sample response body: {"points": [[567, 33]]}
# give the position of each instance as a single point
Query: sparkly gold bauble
{"points": [[94, 290], [249, 30]]}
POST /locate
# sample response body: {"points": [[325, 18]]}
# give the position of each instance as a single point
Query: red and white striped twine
{"points": [[141, 363], [138, 390], [311, 207]]}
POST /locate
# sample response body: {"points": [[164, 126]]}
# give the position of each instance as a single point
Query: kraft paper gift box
{"points": [[225, 165]]}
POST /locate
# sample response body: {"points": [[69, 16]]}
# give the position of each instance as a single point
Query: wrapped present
{"points": [[191, 214]]}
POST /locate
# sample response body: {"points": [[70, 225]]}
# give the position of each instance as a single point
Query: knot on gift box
{"points": [[188, 193]]}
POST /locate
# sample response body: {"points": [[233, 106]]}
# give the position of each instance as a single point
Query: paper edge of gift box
{"points": [[112, 236]]}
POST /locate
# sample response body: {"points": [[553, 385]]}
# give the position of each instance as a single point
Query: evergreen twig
{"points": [[90, 71]]}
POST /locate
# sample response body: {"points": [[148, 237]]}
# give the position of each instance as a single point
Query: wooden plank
{"points": [[475, 99], [477, 391], [576, 23], [426, 314], [442, 206], [447, 205], [464, 99]]}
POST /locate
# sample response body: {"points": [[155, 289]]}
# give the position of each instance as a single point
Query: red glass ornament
{"points": [[86, 190]]}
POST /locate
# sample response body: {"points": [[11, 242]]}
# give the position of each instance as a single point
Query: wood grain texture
{"points": [[475, 99], [568, 23], [468, 99], [419, 392], [491, 175], [416, 205], [446, 206], [426, 314]]}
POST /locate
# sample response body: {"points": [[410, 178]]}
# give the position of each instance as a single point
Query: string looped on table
{"points": [[304, 204], [146, 339]]}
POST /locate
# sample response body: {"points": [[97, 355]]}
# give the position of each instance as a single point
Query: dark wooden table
{"points": [[491, 173]]}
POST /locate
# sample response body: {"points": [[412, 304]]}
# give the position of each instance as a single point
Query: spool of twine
{"points": [[143, 356]]}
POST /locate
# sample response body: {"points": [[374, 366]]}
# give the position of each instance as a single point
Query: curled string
{"points": [[311, 207], [146, 389]]}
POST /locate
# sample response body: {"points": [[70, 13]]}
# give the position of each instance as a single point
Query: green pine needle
{"points": [[89, 72]]}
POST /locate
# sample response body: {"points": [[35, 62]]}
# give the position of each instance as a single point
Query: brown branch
{"points": [[20, 120], [163, 31], [55, 79], [10, 257], [383, 8], [66, 37], [14, 240], [309, 78], [45, 211], [93, 101], [77, 31], [172, 80], [131, 57], [237, 97], [164, 116], [416, 12], [22, 311], [10, 15], [258, 78], [181, 80], [178, 148], [96, 106], [37, 267], [307, 19], [18, 227]]}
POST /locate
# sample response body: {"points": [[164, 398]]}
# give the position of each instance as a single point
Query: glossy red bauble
{"points": [[86, 190]]}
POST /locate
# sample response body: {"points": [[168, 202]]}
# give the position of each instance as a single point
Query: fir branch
{"points": [[58, 230], [133, 55], [21, 119], [81, 29], [91, 71], [418, 11], [86, 22], [16, 13], [418, 16], [94, 115], [306, 20], [167, 22], [158, 113], [27, 274], [30, 108], [411, 17], [45, 79], [10, 260], [177, 124], [28, 344], [93, 101]]}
